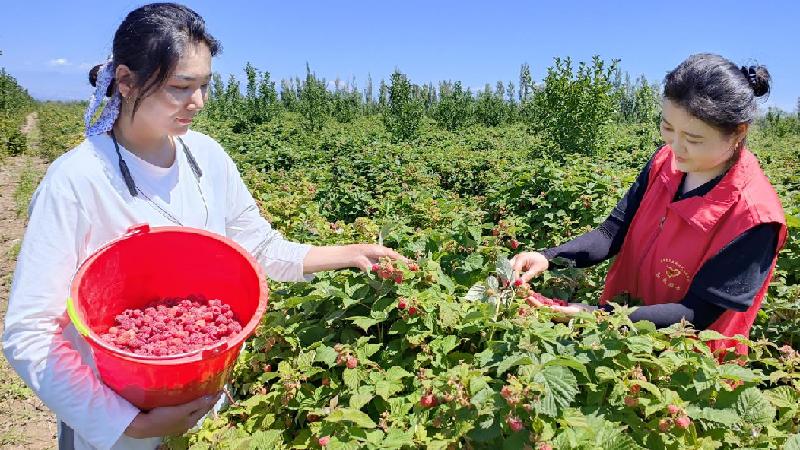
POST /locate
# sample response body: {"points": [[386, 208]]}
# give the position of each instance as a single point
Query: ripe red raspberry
{"points": [[398, 277], [413, 267], [664, 425], [352, 362], [412, 311], [683, 422], [518, 282], [172, 326], [428, 401], [635, 389], [513, 244], [267, 368], [376, 267], [631, 402], [514, 423], [673, 410], [402, 304], [545, 447], [324, 440]]}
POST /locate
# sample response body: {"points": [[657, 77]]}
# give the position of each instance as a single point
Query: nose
{"points": [[197, 101]]}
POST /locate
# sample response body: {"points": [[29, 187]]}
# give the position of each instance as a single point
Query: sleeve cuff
{"points": [[283, 261]]}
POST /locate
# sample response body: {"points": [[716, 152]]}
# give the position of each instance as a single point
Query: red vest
{"points": [[668, 242]]}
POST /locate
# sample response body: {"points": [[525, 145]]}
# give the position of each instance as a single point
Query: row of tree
{"points": [[15, 103], [449, 103], [573, 106]]}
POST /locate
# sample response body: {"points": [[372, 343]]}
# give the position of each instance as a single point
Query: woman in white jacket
{"points": [[140, 163]]}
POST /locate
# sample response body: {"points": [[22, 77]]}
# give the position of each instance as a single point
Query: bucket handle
{"points": [[76, 320], [137, 229]]}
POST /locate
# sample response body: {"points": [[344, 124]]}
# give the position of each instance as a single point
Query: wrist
{"points": [[138, 426], [349, 254]]}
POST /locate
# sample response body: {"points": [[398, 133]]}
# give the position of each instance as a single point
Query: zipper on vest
{"points": [[648, 248]]}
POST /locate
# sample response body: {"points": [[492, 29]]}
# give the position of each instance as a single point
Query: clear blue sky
{"points": [[49, 46]]}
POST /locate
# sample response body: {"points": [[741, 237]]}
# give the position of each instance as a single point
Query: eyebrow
{"points": [[191, 78], [696, 136]]}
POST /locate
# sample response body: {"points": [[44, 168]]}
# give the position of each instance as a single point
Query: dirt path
{"points": [[25, 423]]}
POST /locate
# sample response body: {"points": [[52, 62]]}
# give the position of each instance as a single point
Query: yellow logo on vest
{"points": [[673, 274]]}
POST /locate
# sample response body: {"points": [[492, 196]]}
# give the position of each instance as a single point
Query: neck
{"points": [[697, 179], [157, 150]]}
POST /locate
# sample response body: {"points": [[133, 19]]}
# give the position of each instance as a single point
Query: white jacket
{"points": [[81, 204]]}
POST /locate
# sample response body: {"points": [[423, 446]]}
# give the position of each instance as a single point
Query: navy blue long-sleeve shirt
{"points": [[728, 280]]}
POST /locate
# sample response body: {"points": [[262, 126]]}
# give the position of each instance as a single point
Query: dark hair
{"points": [[150, 42], [716, 90]]}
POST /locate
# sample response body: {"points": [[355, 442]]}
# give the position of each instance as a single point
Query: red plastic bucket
{"points": [[148, 264]]}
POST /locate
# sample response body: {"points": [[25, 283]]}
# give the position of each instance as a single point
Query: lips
{"points": [[184, 121]]}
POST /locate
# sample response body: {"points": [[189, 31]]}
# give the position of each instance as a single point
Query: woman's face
{"points": [[170, 109], [697, 146]]}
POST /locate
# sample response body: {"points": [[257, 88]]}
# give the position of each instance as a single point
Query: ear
{"points": [[740, 133], [125, 80]]}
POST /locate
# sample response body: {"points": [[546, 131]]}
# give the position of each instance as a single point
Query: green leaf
{"points": [[511, 361], [754, 408], [476, 293], [350, 415], [326, 355], [561, 387], [352, 378], [783, 397], [721, 416], [357, 401], [473, 262], [504, 269], [266, 439], [398, 439], [793, 443]]}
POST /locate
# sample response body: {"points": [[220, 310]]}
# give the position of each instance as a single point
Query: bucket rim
{"points": [[195, 355]]}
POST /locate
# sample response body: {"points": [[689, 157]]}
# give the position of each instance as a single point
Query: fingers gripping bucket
{"points": [[148, 264]]}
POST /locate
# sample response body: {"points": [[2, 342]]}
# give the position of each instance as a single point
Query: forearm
{"points": [[663, 315], [333, 257], [692, 308], [585, 250]]}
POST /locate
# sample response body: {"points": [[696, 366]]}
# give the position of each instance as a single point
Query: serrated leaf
{"points": [[473, 262], [475, 293], [326, 355], [511, 361], [504, 269], [783, 397], [793, 443], [754, 408], [266, 439], [561, 387], [721, 416], [352, 378], [363, 322], [350, 415], [357, 401]]}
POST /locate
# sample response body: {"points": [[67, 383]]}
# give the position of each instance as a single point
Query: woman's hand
{"points": [[170, 420], [360, 256], [566, 311], [529, 265], [363, 256]]}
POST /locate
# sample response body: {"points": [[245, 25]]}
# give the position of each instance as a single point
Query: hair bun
{"points": [[759, 78], [93, 73]]}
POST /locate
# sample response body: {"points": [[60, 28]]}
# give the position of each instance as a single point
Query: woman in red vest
{"points": [[697, 235]]}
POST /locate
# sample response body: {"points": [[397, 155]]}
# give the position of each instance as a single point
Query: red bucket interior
{"points": [[152, 264]]}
